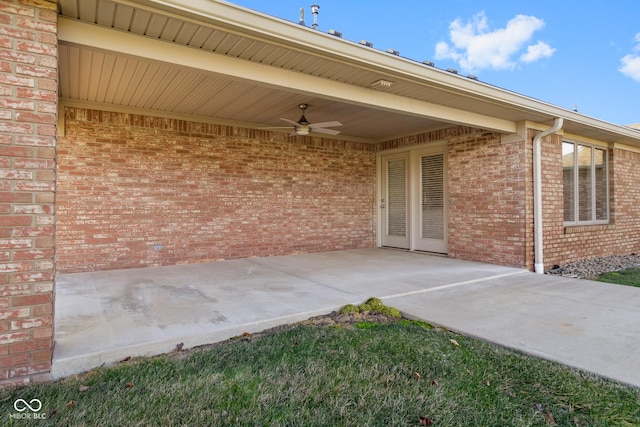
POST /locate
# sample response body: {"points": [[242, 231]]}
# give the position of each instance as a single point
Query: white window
{"points": [[585, 184]]}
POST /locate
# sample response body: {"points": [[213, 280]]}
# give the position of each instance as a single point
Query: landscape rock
{"points": [[593, 267]]}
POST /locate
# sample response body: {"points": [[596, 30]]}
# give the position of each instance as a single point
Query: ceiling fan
{"points": [[303, 127]]}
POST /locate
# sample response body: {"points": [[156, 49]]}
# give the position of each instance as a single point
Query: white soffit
{"points": [[76, 33], [258, 68]]}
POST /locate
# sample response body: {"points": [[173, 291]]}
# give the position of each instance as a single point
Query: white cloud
{"points": [[537, 51], [475, 46], [631, 63], [631, 67]]}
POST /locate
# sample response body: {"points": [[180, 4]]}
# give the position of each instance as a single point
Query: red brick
{"points": [[17, 104], [23, 116], [15, 360], [36, 276], [33, 209], [12, 290], [47, 85], [13, 56], [40, 367], [35, 322], [19, 33], [13, 197], [47, 38], [5, 19], [42, 333], [33, 254], [15, 220], [41, 310], [33, 231], [15, 337], [33, 164], [36, 24], [46, 153], [12, 151], [34, 186], [38, 95], [29, 346], [14, 313], [14, 9], [15, 174], [35, 140], [27, 300], [42, 356], [37, 48], [16, 127], [13, 80], [49, 130]]}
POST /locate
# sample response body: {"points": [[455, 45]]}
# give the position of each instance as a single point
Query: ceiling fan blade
{"points": [[291, 121], [326, 131], [325, 124]]}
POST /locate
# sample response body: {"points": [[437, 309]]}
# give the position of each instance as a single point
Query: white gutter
{"points": [[537, 194]]}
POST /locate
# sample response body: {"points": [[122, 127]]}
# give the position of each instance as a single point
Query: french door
{"points": [[413, 201]]}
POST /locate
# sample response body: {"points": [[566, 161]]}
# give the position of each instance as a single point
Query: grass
{"points": [[383, 375], [629, 277]]}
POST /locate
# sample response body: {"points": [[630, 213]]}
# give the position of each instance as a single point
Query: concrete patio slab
{"points": [[107, 316], [590, 325]]}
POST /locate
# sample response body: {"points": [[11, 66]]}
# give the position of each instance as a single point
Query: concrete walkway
{"points": [[104, 317]]}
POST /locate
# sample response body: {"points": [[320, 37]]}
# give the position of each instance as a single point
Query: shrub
{"points": [[372, 304]]}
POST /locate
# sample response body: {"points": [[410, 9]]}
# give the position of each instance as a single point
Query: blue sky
{"points": [[567, 53]]}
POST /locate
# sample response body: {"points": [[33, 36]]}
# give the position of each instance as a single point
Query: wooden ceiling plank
{"points": [[123, 17], [103, 14], [104, 77], [140, 21], [186, 33], [171, 29]]}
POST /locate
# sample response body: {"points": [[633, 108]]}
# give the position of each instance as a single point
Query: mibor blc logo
{"points": [[27, 410]]}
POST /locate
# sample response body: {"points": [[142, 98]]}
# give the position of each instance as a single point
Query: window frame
{"points": [[576, 185]]}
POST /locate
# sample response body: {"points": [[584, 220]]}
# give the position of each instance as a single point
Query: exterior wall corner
{"points": [[28, 110]]}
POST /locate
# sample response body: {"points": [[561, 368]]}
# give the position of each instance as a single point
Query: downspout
{"points": [[537, 194]]}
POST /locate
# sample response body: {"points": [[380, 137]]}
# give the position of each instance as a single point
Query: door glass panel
{"points": [[397, 198], [432, 197]]}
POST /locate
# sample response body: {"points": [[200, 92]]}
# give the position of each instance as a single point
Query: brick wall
{"points": [[28, 85], [490, 195], [138, 191], [621, 236], [486, 186], [487, 204]]}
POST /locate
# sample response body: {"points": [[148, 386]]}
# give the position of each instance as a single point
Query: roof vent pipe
{"points": [[537, 194], [314, 11]]}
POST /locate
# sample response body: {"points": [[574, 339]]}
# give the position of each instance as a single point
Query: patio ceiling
{"points": [[212, 60]]}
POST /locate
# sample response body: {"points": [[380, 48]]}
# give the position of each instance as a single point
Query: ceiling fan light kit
{"points": [[303, 127]]}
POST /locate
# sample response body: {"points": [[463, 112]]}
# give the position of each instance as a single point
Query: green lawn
{"points": [[630, 277], [368, 375]]}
